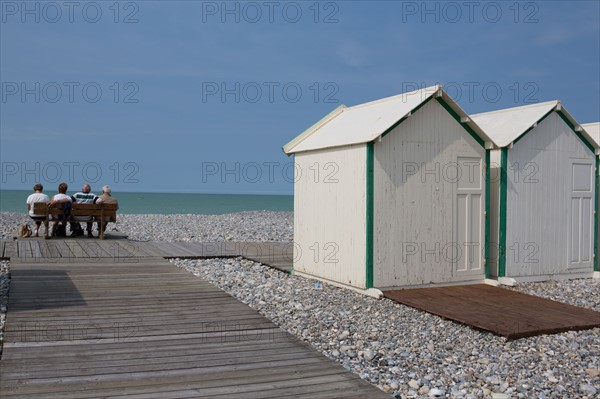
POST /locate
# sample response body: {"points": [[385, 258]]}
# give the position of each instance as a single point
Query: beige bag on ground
{"points": [[25, 231]]}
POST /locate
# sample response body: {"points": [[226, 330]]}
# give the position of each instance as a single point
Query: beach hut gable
{"points": [[290, 146], [368, 122], [593, 131], [544, 198], [507, 126]]}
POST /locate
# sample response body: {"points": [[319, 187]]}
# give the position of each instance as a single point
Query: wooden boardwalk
{"points": [[278, 255], [498, 310], [136, 326]]}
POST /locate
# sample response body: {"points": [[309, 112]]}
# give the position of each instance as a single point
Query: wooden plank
{"points": [[21, 251], [144, 249], [323, 382], [199, 381], [60, 247], [49, 249], [220, 249], [274, 254], [81, 370], [10, 250], [126, 249], [280, 264], [246, 378], [160, 248], [35, 249], [501, 311], [195, 249], [96, 248], [139, 349], [175, 251], [76, 249], [84, 264]]}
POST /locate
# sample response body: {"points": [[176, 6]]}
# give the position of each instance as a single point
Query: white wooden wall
{"points": [[420, 209], [329, 214], [538, 199], [494, 215]]}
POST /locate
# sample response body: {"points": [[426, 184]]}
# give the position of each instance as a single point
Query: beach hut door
{"points": [[468, 216], [581, 215]]}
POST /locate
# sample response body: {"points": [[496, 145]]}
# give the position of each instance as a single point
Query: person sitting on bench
{"points": [[85, 196], [37, 196], [65, 201], [106, 198]]}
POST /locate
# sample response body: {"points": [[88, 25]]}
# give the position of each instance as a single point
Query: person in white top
{"points": [[65, 201], [37, 196]]}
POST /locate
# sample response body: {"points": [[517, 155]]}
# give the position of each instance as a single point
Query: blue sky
{"points": [[192, 96]]}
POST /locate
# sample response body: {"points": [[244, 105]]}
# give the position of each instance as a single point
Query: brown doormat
{"points": [[501, 311]]}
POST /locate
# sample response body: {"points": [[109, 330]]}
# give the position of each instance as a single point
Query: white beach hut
{"points": [[391, 193], [542, 194], [593, 129]]}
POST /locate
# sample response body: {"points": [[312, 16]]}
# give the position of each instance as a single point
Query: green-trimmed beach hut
{"points": [[392, 193], [593, 130], [543, 202]]}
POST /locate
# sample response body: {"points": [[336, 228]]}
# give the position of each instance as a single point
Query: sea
{"points": [[172, 203]]}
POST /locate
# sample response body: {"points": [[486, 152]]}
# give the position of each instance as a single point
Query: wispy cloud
{"points": [[554, 36], [352, 54]]}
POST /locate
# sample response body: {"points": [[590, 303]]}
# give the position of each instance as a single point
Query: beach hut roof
{"points": [[366, 122], [506, 126], [593, 129]]}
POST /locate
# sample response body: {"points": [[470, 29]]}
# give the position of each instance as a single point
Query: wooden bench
{"points": [[97, 213]]}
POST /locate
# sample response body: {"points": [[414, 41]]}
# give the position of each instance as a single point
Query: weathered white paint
{"points": [[539, 233], [507, 125], [330, 215], [468, 218], [545, 277], [366, 122], [593, 129], [361, 123], [424, 212], [511, 282], [372, 292], [492, 282], [494, 213], [581, 228]]}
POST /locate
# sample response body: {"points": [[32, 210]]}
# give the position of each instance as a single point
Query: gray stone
{"points": [[367, 354], [588, 389], [436, 392], [424, 390], [414, 384]]}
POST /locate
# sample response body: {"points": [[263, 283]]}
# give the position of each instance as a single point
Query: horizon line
{"points": [[151, 191]]}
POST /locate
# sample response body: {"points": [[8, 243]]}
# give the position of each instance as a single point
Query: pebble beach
{"points": [[403, 351]]}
